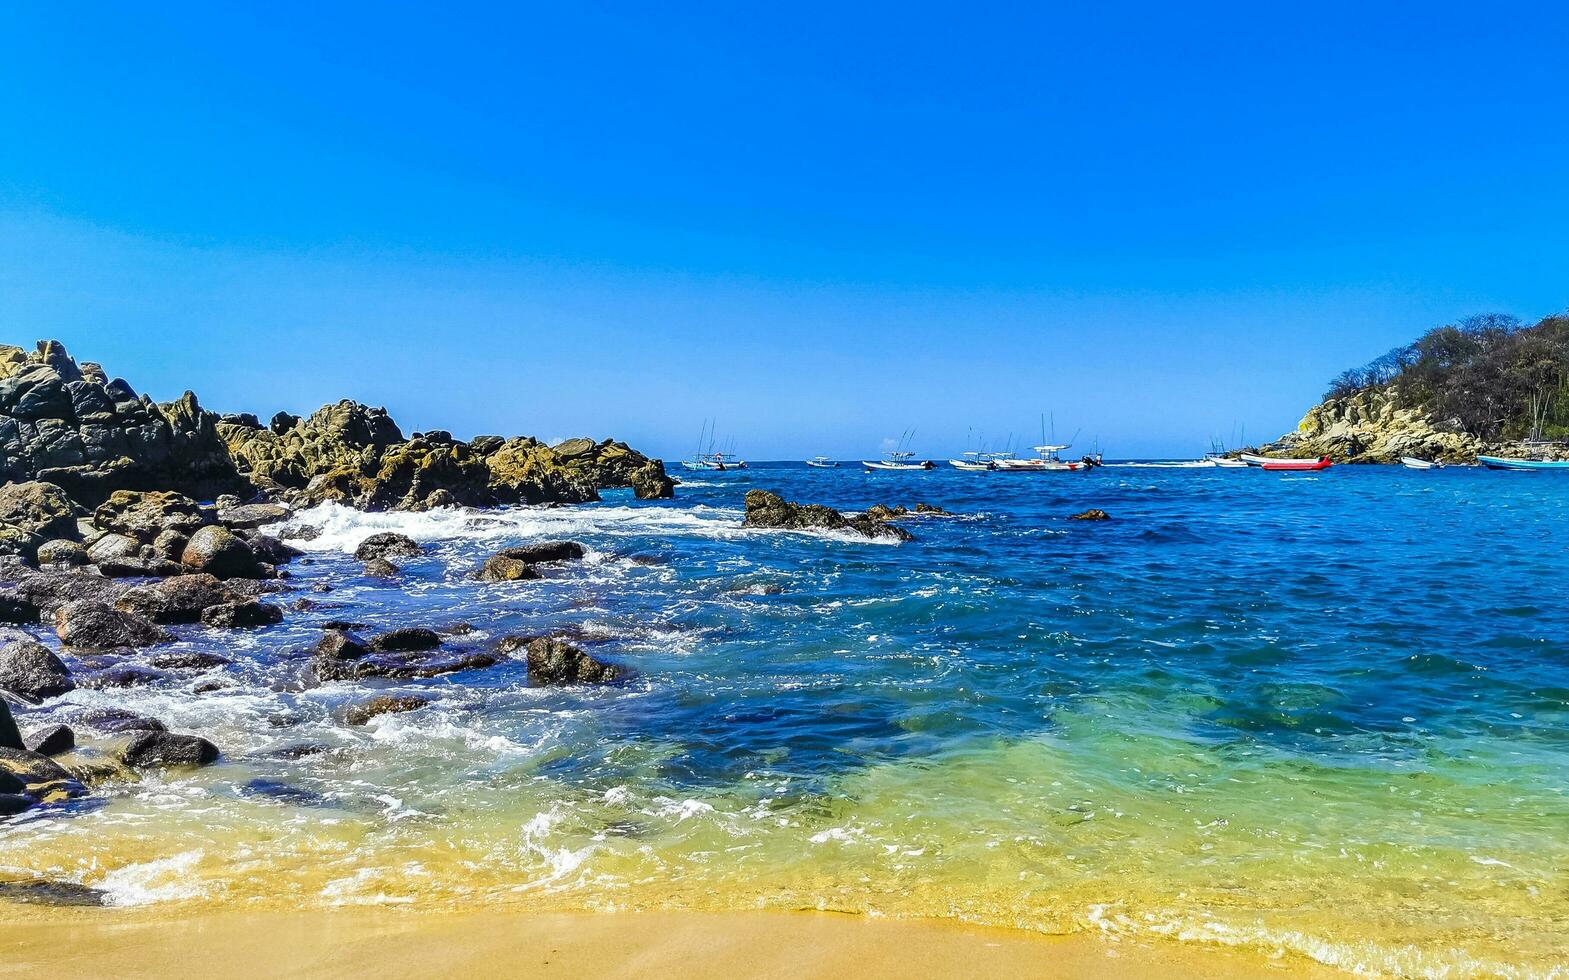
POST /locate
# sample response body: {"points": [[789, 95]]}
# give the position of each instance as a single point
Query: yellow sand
{"points": [[388, 943]]}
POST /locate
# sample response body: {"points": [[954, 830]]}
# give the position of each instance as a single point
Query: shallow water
{"points": [[1320, 713]]}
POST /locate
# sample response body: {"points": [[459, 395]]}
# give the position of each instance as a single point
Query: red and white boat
{"points": [[1048, 461], [1296, 465]]}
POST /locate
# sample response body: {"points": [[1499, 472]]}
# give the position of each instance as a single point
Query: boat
{"points": [[1048, 460], [1226, 462], [1412, 463], [1253, 459], [974, 462], [1499, 463], [822, 463], [1170, 464], [900, 460], [1296, 465], [712, 459]]}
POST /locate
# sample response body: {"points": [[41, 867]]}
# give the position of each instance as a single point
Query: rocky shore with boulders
{"points": [[132, 532]]}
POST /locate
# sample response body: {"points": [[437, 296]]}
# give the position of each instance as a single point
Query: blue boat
{"points": [[1499, 463]]}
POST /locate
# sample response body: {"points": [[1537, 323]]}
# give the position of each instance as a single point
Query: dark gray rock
{"points": [[170, 544], [52, 740], [188, 660], [381, 568], [140, 566], [159, 749], [269, 549], [144, 515], [112, 546], [242, 615], [501, 568], [10, 735], [92, 625], [39, 508], [45, 780], [388, 544], [547, 551], [123, 675], [32, 671], [246, 516], [407, 638], [178, 600], [116, 720], [769, 510]]}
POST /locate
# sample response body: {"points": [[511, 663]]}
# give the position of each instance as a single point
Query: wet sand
{"points": [[391, 943]]}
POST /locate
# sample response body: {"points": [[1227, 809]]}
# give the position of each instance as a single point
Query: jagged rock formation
{"points": [[1368, 427], [69, 425], [764, 509]]}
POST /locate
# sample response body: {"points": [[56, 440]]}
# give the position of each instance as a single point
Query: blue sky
{"points": [[821, 225]]}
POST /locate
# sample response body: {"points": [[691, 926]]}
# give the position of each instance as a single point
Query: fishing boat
{"points": [[1226, 462], [1296, 465], [1499, 463], [711, 459], [1170, 464], [822, 463], [1048, 460], [901, 460], [1252, 459], [974, 462], [1412, 463]]}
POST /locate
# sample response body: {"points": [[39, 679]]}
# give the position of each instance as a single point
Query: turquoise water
{"points": [[1324, 714]]}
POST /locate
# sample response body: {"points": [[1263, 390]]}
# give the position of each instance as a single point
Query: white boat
{"points": [[1048, 460], [1412, 463], [1253, 459], [822, 463], [715, 461], [974, 462], [1171, 464], [898, 461], [1226, 462]]}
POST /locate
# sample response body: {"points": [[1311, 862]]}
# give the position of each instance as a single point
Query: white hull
{"points": [[1412, 463], [895, 466], [961, 464], [1037, 466], [1227, 463], [831, 464], [1254, 460], [1175, 464]]}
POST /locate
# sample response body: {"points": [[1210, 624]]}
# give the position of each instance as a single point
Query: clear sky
{"points": [[820, 223]]}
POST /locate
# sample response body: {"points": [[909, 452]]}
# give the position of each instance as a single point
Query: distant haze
{"points": [[821, 226]]}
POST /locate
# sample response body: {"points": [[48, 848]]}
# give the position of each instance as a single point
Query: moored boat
{"points": [[1253, 459], [974, 462], [898, 461], [822, 463], [1296, 465], [1412, 463], [1048, 460], [1226, 462], [1500, 463]]}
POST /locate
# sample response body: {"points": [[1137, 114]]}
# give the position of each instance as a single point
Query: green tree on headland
{"points": [[1488, 375]]}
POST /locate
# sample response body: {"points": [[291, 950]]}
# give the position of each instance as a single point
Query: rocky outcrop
{"points": [[1368, 426], [388, 544], [769, 510], [385, 704], [160, 749], [355, 455], [91, 625], [91, 436], [1093, 514], [552, 662]]}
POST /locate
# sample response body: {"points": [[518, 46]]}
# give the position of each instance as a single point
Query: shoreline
{"points": [[132, 943]]}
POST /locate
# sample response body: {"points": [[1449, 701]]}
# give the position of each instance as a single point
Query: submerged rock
{"points": [[381, 568], [501, 568], [158, 749], [43, 779], [242, 615], [32, 671], [548, 551], [385, 704], [769, 510], [188, 660], [115, 720], [407, 638], [554, 662], [1094, 514]]}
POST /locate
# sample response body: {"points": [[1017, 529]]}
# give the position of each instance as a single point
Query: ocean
{"points": [[1323, 714]]}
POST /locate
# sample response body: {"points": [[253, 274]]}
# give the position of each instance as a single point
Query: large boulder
{"points": [[144, 515], [42, 778], [500, 568], [10, 735], [38, 508], [219, 551], [178, 600], [552, 662], [769, 510], [52, 740], [32, 671], [388, 544], [406, 638], [159, 749], [242, 615], [545, 551], [92, 625]]}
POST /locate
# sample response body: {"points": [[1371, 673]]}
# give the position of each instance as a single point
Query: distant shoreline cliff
{"points": [[1486, 386]]}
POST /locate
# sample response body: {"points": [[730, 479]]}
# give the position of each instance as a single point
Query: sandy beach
{"points": [[389, 943]]}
